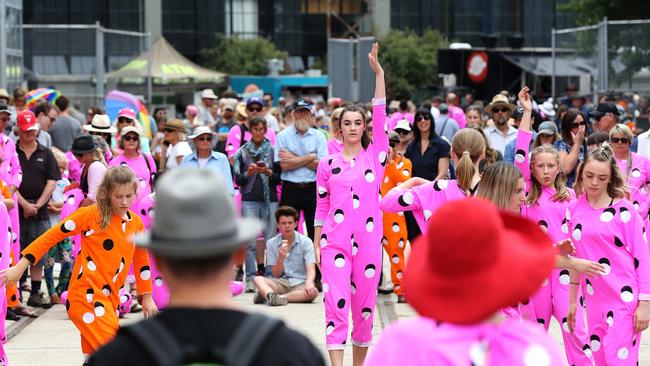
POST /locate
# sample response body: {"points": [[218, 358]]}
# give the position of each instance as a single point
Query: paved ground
{"points": [[52, 339]]}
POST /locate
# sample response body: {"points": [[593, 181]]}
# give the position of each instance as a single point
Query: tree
{"points": [[628, 45], [237, 56], [410, 61]]}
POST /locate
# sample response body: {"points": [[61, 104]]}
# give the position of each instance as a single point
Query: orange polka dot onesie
{"points": [[397, 171], [99, 271]]}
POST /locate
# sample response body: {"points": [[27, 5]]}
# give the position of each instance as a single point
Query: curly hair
{"points": [[115, 176]]}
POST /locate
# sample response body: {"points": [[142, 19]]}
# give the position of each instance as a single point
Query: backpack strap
{"points": [[146, 161], [247, 342], [157, 341]]}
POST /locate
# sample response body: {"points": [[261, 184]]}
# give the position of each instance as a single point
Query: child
{"points": [[61, 252]]}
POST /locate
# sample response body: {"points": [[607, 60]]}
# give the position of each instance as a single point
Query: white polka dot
{"points": [[114, 278], [89, 232], [89, 297], [106, 292], [365, 314], [636, 173], [565, 228], [606, 216], [369, 272], [622, 353], [536, 356], [399, 275], [399, 165], [395, 228], [338, 217], [406, 173], [565, 327], [329, 330], [326, 287], [71, 200], [158, 282], [370, 226], [99, 311], [408, 198], [69, 225], [519, 158], [400, 244], [627, 296], [577, 234], [88, 318], [478, 353], [564, 279], [382, 156], [322, 190], [626, 216], [545, 283], [442, 184], [92, 266], [595, 345], [355, 203], [339, 262], [124, 298], [370, 177], [590, 289], [323, 242], [400, 213], [395, 259], [427, 214], [355, 249], [145, 275]]}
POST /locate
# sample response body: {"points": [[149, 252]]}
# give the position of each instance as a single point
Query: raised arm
{"points": [[379, 127], [527, 105]]}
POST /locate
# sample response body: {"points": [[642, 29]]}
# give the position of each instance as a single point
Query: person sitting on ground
{"points": [[197, 239], [459, 297], [291, 258]]}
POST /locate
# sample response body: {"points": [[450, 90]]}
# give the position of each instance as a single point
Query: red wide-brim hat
{"points": [[475, 260]]}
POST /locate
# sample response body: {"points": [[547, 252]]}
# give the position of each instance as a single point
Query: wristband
{"points": [[575, 283]]}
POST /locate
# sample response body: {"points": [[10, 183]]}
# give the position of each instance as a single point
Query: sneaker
{"points": [[250, 287], [276, 300], [55, 299], [11, 315], [38, 301], [259, 299]]}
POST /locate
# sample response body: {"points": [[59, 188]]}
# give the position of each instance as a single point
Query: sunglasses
{"points": [[168, 130], [204, 138], [619, 140], [576, 125], [500, 110], [78, 156], [402, 132], [422, 118], [123, 120], [392, 143], [130, 138], [251, 109]]}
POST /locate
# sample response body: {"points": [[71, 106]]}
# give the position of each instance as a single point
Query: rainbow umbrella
{"points": [[35, 95], [116, 100]]}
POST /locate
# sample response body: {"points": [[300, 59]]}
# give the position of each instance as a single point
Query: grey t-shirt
{"points": [[64, 130]]}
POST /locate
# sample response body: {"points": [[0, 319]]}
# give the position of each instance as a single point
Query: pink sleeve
{"points": [[636, 236], [233, 142], [16, 170], [398, 200], [522, 155], [322, 192], [271, 135], [96, 173], [379, 131]]}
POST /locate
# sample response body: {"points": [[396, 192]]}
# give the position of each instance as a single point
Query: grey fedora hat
{"points": [[195, 217]]}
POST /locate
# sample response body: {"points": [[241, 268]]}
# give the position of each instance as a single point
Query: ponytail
{"points": [[465, 171]]}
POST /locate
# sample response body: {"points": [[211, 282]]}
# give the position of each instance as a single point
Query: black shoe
{"points": [[11, 315], [385, 291], [38, 301]]}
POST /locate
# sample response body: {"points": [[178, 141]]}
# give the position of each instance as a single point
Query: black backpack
{"points": [[159, 342]]}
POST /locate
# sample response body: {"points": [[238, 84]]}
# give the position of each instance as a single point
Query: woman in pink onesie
{"points": [[606, 228], [546, 203], [510, 258], [423, 197], [635, 168], [349, 226]]}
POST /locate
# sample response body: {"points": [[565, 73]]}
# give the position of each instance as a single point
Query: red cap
{"points": [[26, 121], [126, 113]]}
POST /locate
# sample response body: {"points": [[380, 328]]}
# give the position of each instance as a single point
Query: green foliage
{"points": [[628, 45], [237, 56], [410, 62]]}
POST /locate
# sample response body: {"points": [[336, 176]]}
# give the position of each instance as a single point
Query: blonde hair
{"points": [[622, 129], [115, 176], [561, 193], [59, 156], [604, 154], [468, 145], [499, 184]]}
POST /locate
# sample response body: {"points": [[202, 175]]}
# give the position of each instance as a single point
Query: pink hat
{"points": [[126, 113], [192, 110]]}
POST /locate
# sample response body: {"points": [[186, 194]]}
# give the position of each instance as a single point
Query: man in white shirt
{"points": [[499, 135]]}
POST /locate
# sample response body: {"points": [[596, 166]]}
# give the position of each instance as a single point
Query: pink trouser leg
{"points": [[366, 266], [612, 340], [336, 269]]}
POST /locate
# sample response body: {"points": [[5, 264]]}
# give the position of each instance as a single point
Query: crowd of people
{"points": [[555, 198]]}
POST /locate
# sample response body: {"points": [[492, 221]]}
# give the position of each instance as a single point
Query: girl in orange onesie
{"points": [[395, 238], [103, 262]]}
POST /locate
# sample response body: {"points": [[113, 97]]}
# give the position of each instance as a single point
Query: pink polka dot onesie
{"points": [[615, 237], [347, 208], [422, 200], [553, 297], [419, 341], [637, 177]]}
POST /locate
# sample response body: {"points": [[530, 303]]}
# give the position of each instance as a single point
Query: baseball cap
{"points": [[4, 108], [126, 113], [402, 124], [253, 100], [208, 94], [26, 121], [547, 128], [303, 104], [230, 105], [393, 136], [603, 108]]}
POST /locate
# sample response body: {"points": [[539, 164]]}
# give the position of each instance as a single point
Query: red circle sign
{"points": [[477, 66]]}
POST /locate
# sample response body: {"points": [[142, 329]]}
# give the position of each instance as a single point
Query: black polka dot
{"points": [[30, 258], [341, 304], [525, 302], [108, 244], [143, 212], [618, 242], [336, 170], [636, 263], [542, 223], [13, 297], [541, 321], [67, 305]]}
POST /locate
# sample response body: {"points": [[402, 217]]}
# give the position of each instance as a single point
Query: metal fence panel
{"points": [[340, 54]]}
